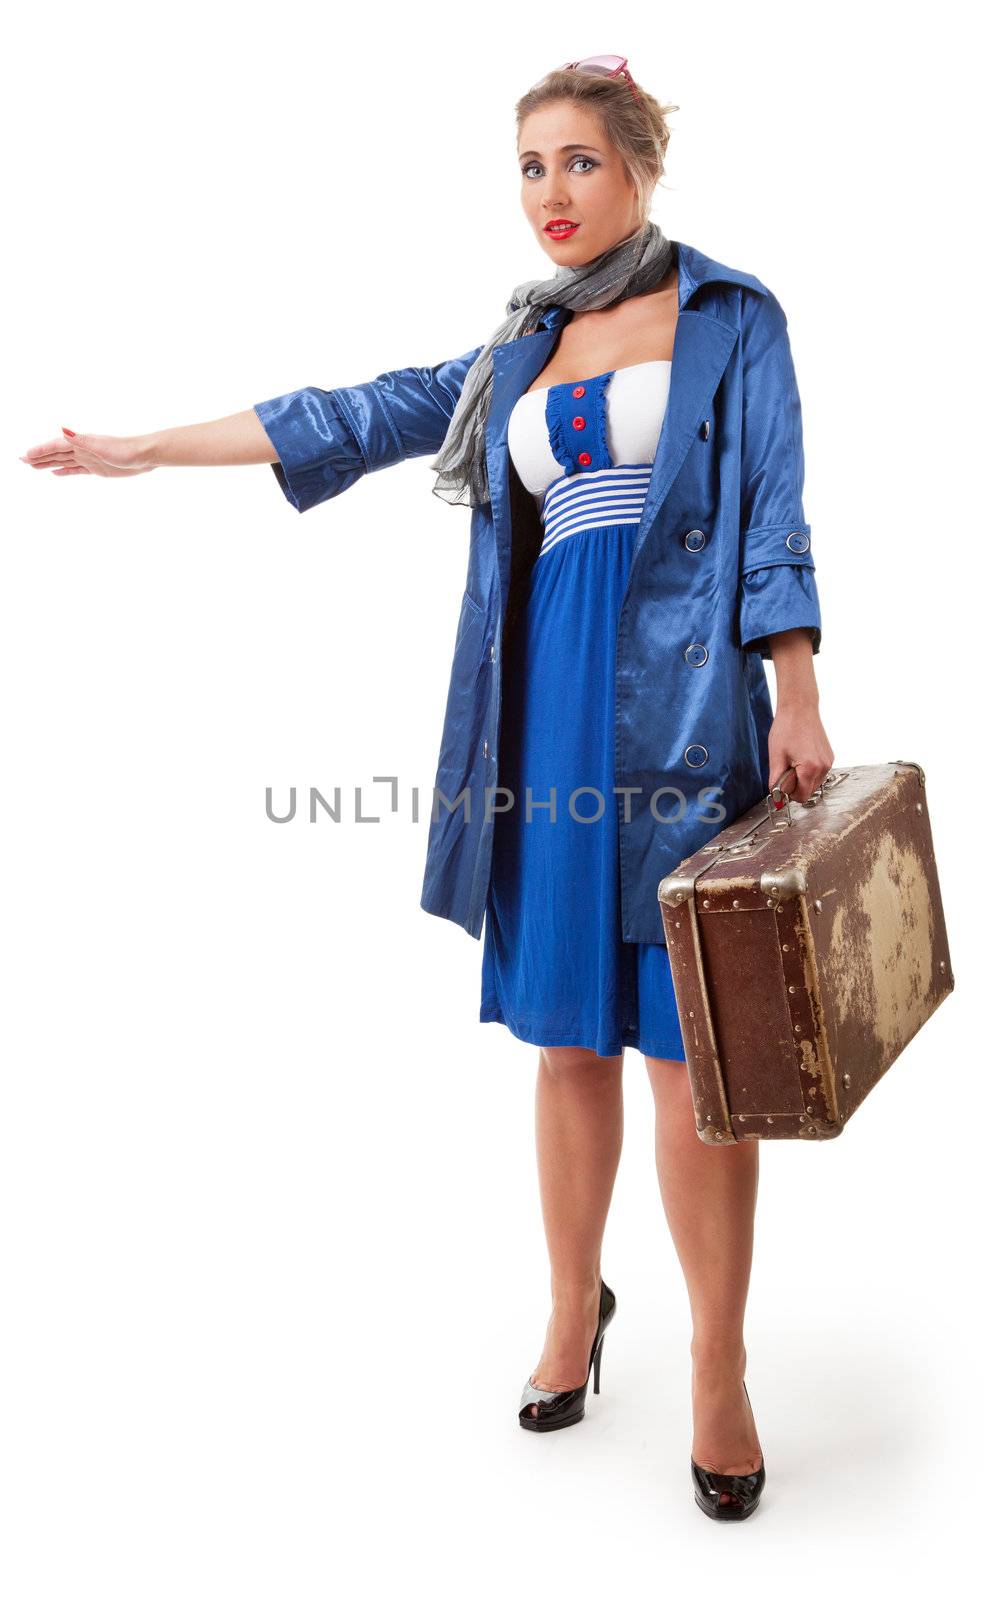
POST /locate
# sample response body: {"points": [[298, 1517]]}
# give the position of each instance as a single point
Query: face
{"points": [[569, 172]]}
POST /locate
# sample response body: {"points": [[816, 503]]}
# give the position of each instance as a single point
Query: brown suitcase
{"points": [[807, 946]]}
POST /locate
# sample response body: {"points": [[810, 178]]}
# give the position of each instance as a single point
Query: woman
{"points": [[629, 442]]}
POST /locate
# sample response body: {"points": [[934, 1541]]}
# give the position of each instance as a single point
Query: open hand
{"points": [[100, 454]]}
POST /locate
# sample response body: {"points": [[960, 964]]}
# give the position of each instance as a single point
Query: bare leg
{"points": [[579, 1121], [709, 1196]]}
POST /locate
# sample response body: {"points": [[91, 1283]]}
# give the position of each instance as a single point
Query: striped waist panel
{"points": [[594, 500]]}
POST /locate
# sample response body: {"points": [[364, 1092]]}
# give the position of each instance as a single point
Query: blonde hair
{"points": [[637, 128]]}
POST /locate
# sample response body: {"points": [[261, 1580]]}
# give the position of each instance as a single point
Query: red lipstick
{"points": [[560, 228]]}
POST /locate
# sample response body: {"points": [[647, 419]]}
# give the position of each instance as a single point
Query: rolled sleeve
{"points": [[317, 452], [326, 439], [778, 588], [774, 599]]}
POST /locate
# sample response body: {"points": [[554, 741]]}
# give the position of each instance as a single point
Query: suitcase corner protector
{"points": [[900, 761], [784, 885], [675, 888]]}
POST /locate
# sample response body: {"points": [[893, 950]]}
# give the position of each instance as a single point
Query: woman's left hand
{"points": [[797, 739]]}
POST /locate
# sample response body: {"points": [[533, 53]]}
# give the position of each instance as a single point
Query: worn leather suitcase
{"points": [[807, 946]]}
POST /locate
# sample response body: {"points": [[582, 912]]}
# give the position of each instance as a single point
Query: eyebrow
{"points": [[528, 154]]}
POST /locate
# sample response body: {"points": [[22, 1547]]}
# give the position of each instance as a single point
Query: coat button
{"points": [[584, 459], [695, 755], [485, 748], [696, 654], [577, 391], [705, 429], [577, 422], [695, 539], [798, 542]]}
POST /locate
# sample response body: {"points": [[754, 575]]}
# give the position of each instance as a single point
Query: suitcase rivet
{"points": [[817, 905], [770, 1119], [689, 1013], [942, 966], [785, 947], [741, 1116], [918, 805], [797, 1027], [736, 904], [846, 1080], [803, 1117], [770, 902], [792, 988], [718, 1134], [707, 902]]}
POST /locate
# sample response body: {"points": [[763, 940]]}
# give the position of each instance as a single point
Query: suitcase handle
{"points": [[778, 800]]}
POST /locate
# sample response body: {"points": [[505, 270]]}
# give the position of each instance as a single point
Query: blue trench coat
{"points": [[723, 558]]}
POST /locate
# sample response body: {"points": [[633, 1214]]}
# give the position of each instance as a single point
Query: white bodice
{"points": [[635, 404]]}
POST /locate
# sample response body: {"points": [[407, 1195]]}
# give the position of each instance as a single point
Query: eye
{"points": [[587, 163]]}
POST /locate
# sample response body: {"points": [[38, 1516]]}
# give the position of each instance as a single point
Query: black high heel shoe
{"points": [[746, 1489], [545, 1409]]}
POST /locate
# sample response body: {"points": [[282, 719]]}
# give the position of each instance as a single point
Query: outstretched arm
{"points": [[238, 440], [318, 441]]}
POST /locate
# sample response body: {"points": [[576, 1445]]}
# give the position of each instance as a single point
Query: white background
{"points": [[271, 1254]]}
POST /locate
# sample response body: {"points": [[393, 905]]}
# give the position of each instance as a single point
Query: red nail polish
{"points": [[70, 432]]}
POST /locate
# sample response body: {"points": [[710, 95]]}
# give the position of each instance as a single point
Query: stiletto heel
{"points": [[745, 1489], [542, 1410]]}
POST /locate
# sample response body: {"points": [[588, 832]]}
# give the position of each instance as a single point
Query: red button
{"points": [[577, 422], [584, 459], [578, 391]]}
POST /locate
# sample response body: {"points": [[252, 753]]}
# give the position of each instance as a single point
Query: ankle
{"points": [[717, 1356], [576, 1292]]}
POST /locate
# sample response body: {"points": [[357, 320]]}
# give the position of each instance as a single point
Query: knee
{"points": [[570, 1063], [670, 1081]]}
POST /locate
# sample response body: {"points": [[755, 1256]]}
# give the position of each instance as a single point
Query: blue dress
{"points": [[555, 969]]}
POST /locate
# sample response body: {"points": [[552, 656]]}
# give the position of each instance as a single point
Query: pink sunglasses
{"points": [[606, 66]]}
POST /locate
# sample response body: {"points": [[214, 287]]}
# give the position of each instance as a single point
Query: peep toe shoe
{"points": [[545, 1409], [745, 1489]]}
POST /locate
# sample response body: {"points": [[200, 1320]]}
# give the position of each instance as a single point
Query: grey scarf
{"points": [[634, 266]]}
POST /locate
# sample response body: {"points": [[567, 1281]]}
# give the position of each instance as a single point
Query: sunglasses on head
{"points": [[605, 66]]}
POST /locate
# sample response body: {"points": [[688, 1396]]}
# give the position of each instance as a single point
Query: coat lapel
{"points": [[702, 348], [514, 366]]}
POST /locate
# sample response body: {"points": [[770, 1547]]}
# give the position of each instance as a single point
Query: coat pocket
{"points": [[469, 653]]}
